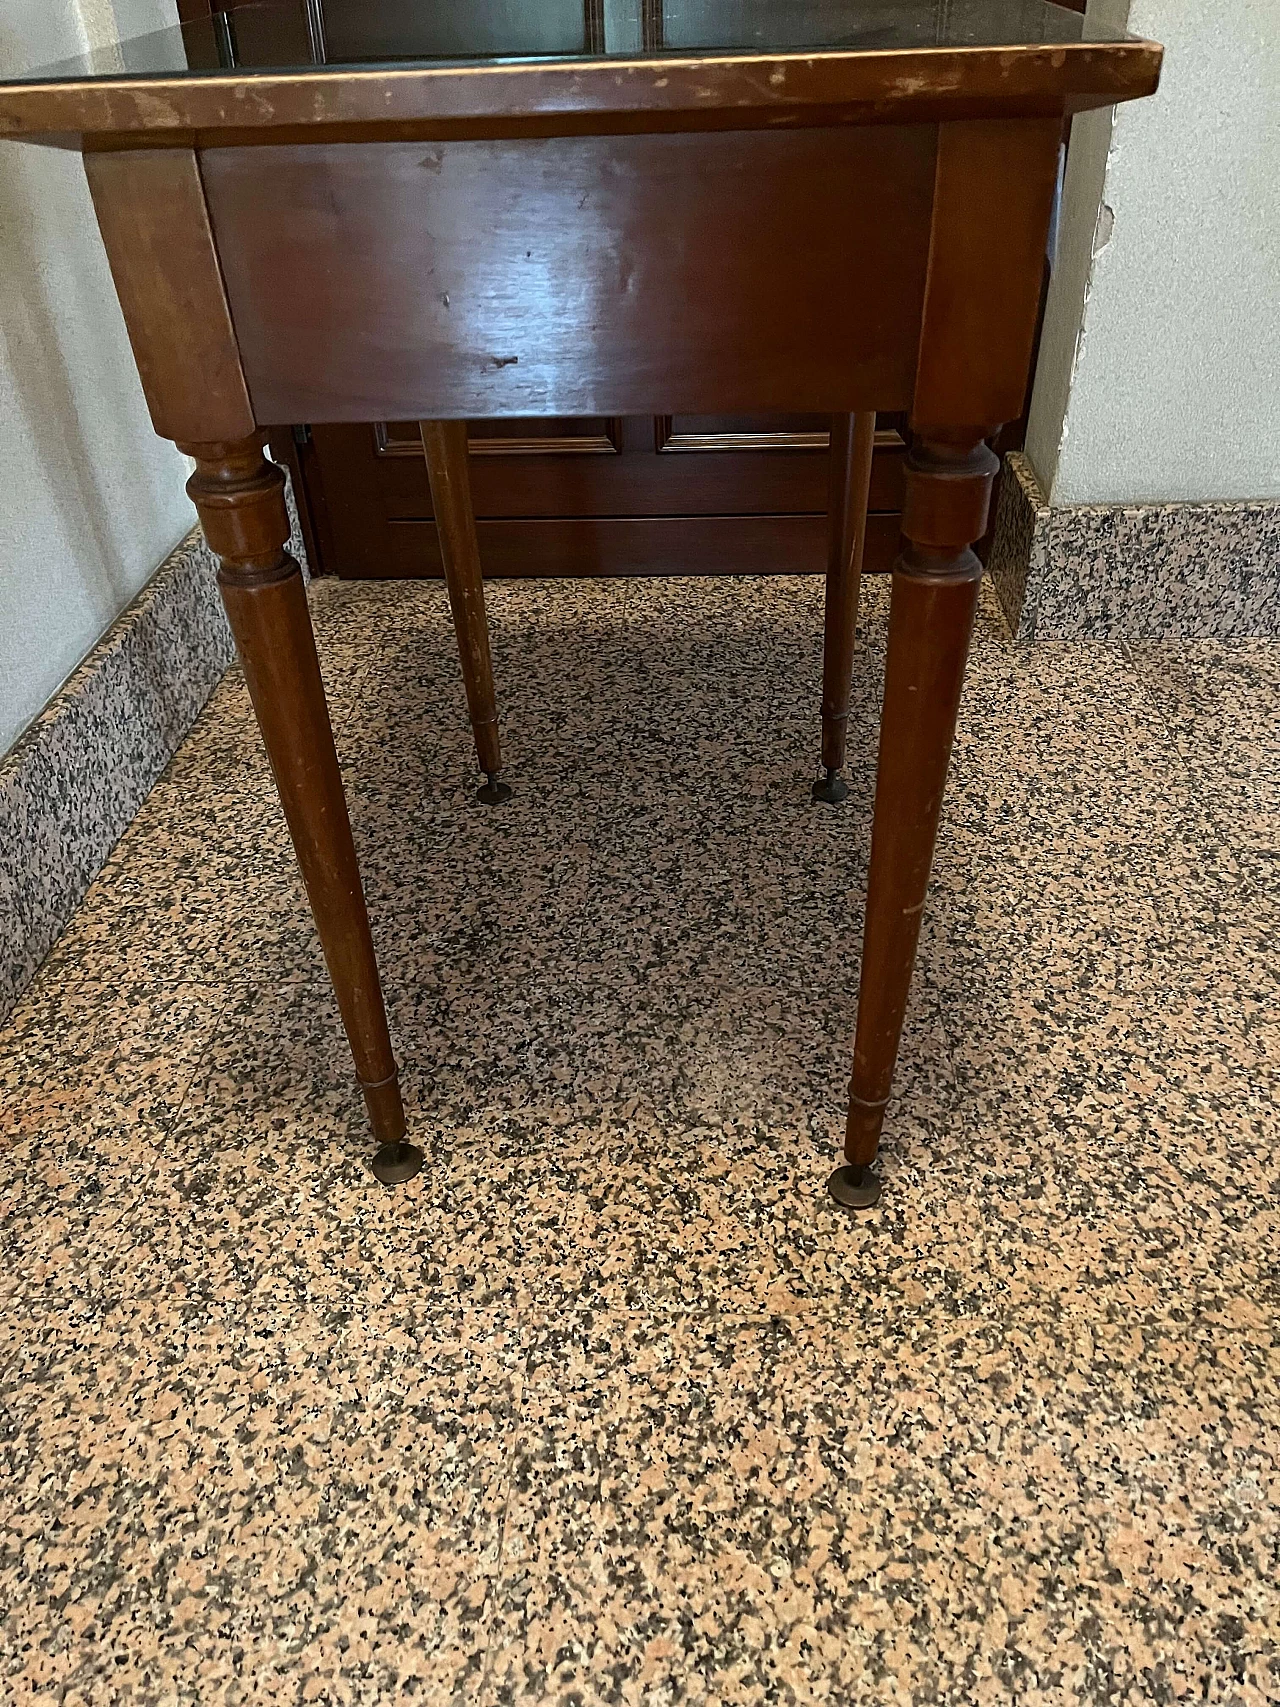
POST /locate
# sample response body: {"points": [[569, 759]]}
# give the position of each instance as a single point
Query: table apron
{"points": [[594, 275]]}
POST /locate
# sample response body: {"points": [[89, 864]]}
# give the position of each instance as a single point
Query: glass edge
{"points": [[349, 68]]}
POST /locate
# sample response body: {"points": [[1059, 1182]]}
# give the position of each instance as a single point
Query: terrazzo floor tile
{"points": [[85, 1052], [1219, 701], [559, 1164], [1083, 1013], [229, 1512], [610, 1403], [739, 1511]]}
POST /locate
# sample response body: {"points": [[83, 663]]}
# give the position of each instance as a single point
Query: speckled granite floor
{"points": [[609, 1405]]}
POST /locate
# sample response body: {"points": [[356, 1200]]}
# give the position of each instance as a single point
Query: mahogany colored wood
{"points": [[825, 231], [754, 464], [853, 439], [992, 197], [154, 223], [598, 496], [295, 453], [990, 216], [239, 496], [607, 96], [510, 278], [445, 446], [935, 592], [638, 545]]}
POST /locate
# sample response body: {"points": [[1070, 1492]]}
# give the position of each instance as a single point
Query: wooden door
{"points": [[622, 496]]}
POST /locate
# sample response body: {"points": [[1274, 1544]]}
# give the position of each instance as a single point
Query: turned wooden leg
{"points": [[935, 592], [445, 446], [853, 439], [240, 499]]}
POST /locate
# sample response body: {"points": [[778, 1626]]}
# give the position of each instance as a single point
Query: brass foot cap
{"points": [[492, 792], [395, 1163], [831, 789], [854, 1187]]}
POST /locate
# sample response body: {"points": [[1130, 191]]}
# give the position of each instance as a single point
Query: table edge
{"points": [[734, 90]]}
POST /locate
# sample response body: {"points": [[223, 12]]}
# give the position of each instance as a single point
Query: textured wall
{"points": [[1159, 365], [90, 500]]}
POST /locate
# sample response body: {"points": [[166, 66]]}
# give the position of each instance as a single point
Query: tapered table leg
{"points": [[935, 591], [445, 446], [240, 499], [853, 439]]}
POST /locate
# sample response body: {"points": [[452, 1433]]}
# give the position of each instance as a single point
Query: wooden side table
{"points": [[848, 218]]}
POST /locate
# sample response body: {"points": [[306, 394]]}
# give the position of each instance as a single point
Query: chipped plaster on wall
{"points": [[1156, 379]]}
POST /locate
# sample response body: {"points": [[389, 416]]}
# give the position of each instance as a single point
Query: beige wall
{"points": [[90, 500], [1159, 374]]}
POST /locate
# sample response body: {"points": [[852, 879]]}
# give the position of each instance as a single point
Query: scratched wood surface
{"points": [[704, 91], [577, 276]]}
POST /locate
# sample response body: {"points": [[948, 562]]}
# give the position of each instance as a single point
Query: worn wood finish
{"points": [[992, 198], [155, 226], [990, 216], [445, 446], [239, 496], [814, 231], [935, 591], [577, 276], [702, 92], [853, 443]]}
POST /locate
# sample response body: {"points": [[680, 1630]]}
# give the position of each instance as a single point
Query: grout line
{"points": [[155, 1133], [499, 1564], [1200, 779], [1199, 782]]}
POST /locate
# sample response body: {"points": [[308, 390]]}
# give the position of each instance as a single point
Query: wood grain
{"points": [[155, 226], [995, 182], [632, 545], [935, 594], [588, 276], [240, 499], [853, 440], [357, 497]]}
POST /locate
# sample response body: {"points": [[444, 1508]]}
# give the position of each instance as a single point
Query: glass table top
{"points": [[301, 35]]}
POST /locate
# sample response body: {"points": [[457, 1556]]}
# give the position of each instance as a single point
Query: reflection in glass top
{"points": [[283, 35]]}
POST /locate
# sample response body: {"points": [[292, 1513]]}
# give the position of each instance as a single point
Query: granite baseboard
{"points": [[1133, 572], [75, 780]]}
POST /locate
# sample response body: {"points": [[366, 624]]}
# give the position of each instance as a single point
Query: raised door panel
{"points": [[600, 496]]}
